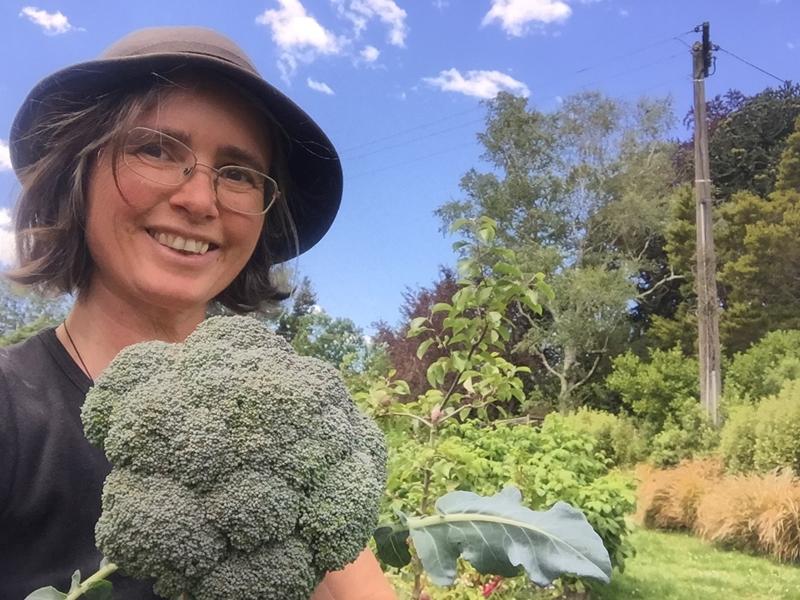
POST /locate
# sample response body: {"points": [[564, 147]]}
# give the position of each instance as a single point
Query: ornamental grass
{"points": [[754, 513], [668, 498]]}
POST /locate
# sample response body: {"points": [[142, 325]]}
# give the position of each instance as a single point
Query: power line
{"points": [[407, 162], [739, 58], [412, 140], [410, 129], [577, 72], [345, 153]]}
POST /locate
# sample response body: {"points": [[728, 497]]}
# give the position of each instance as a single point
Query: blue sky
{"points": [[397, 85]]}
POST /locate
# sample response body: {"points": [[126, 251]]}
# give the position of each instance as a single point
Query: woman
{"points": [[157, 179]]}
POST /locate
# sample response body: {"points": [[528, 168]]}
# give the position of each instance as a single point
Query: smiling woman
{"points": [[157, 179]]}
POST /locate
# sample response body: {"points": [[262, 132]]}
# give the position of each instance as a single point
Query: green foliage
{"points": [[738, 439], [443, 440], [583, 194], [614, 435], [257, 473], [745, 148], [789, 168], [758, 266], [23, 313], [555, 462], [762, 369], [778, 430], [655, 390], [687, 433], [765, 435]]}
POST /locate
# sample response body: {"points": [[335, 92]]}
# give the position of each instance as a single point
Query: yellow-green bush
{"points": [[778, 430], [738, 439], [615, 436]]}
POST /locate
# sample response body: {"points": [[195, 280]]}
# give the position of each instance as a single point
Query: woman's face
{"points": [[133, 228]]}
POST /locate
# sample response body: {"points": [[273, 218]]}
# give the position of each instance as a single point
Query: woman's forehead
{"points": [[207, 112]]}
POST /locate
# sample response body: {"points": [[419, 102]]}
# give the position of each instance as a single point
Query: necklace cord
{"points": [[80, 358]]}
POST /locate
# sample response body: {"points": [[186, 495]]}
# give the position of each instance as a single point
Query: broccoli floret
{"points": [[237, 465]]}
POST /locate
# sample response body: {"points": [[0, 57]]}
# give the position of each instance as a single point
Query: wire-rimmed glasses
{"points": [[162, 159]]}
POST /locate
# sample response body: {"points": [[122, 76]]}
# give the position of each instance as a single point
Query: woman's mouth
{"points": [[181, 244]]}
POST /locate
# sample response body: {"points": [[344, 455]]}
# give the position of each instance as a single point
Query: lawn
{"points": [[672, 566]]}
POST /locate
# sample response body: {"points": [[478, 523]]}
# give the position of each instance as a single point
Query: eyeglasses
{"points": [[160, 158]]}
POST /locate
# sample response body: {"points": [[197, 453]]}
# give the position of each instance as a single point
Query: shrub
{"points": [[656, 389], [686, 434], [668, 498], [738, 439], [761, 370], [777, 430], [614, 435], [550, 463]]}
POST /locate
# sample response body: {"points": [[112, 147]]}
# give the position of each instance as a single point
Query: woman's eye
{"points": [[152, 151], [240, 176]]}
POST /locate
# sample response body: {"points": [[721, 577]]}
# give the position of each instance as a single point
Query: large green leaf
{"points": [[499, 535]]}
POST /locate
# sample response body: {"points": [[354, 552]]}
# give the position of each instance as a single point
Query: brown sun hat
{"points": [[313, 164]]}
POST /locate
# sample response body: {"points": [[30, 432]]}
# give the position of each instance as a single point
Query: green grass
{"points": [[672, 566]]}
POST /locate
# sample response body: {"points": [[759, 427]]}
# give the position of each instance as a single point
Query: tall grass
{"points": [[668, 498], [756, 513]]}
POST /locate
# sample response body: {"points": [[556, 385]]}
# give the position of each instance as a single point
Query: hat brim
{"points": [[313, 164]]}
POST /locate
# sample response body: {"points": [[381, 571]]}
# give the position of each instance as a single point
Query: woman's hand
{"points": [[362, 579]]}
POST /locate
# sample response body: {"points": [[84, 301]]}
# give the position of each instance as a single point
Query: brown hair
{"points": [[51, 210]]}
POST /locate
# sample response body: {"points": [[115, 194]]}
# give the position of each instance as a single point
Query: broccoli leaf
{"points": [[392, 545], [75, 582], [46, 593], [500, 536], [99, 590]]}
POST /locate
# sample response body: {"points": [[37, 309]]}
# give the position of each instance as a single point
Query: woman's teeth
{"points": [[176, 242]]}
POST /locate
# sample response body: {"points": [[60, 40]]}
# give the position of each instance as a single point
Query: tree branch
{"points": [[411, 416]]}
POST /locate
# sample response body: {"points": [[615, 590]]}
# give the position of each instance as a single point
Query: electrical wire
{"points": [[412, 140], [756, 67], [479, 107]]}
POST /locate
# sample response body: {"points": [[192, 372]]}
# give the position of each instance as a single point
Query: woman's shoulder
{"points": [[27, 349], [41, 360], [22, 360]]}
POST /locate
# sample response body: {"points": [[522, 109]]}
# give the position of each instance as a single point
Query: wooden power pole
{"points": [[706, 280]]}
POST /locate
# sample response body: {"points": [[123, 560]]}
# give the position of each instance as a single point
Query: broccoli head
{"points": [[239, 468]]}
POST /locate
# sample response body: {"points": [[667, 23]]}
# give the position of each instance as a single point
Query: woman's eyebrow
{"points": [[237, 155], [242, 157]]}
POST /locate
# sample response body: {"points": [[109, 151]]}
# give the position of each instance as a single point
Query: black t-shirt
{"points": [[51, 478]]}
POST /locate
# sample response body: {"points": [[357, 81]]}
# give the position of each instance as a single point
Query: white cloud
{"points": [[319, 86], [370, 54], [8, 248], [300, 36], [5, 156], [481, 84], [624, 12], [515, 15], [51, 23], [791, 45], [361, 12]]}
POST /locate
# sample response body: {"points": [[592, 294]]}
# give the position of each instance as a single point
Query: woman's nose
{"points": [[197, 194]]}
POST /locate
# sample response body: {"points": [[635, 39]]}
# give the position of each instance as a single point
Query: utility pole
{"points": [[706, 280]]}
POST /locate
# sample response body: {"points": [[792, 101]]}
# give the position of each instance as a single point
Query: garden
{"points": [[558, 354]]}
